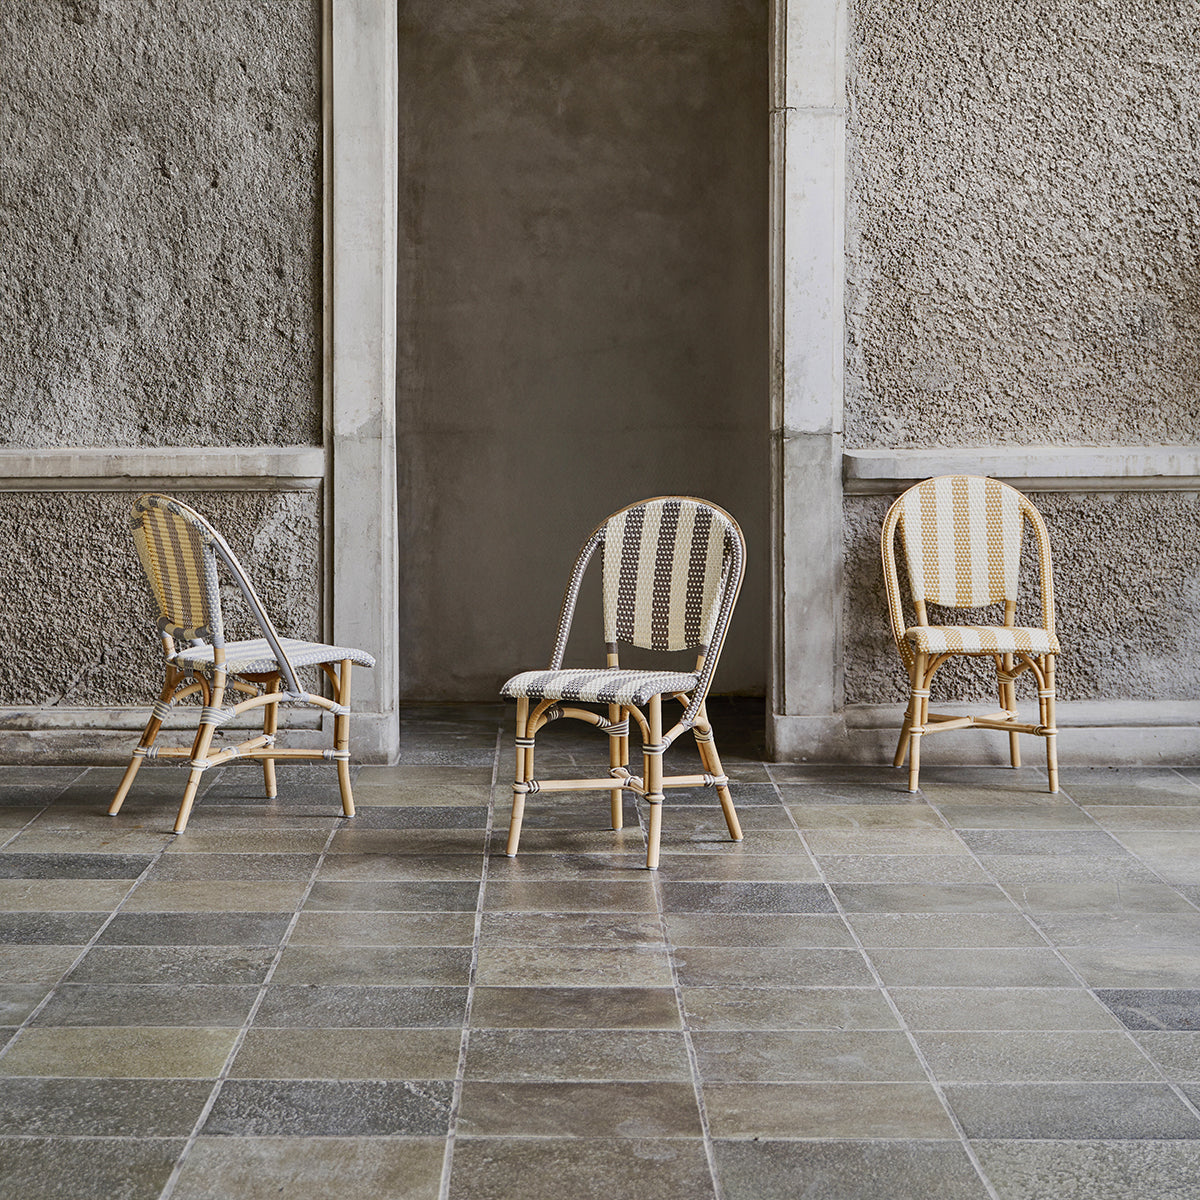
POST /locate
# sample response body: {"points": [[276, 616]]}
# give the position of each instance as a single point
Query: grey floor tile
{"points": [[569, 929], [199, 839], [1002, 1008], [133, 1108], [434, 896], [15, 864], [1015, 816], [806, 1056], [1128, 785], [147, 1004], [574, 1008], [1012, 870], [922, 897], [926, 842], [229, 867], [866, 818], [263, 1168], [61, 895], [128, 1052], [18, 1000], [577, 1056], [579, 1110], [746, 897], [758, 929], [785, 868], [1175, 854], [1033, 1056], [348, 1054], [1091, 1170], [121, 841], [770, 966], [24, 785], [353, 839], [52, 929], [595, 867], [1177, 1053], [834, 1008], [583, 1168], [548, 895], [847, 1170], [1145, 818], [1100, 896], [825, 1110], [1072, 1111], [36, 964], [257, 896], [422, 816], [574, 966], [352, 929], [1009, 930], [407, 965], [1154, 1008], [65, 1169], [959, 967], [296, 1006], [330, 1108], [195, 929], [903, 868], [375, 868], [1050, 843], [188, 965]]}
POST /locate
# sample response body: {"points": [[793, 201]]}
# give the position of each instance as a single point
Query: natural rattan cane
{"points": [[961, 536], [180, 552], [672, 568]]}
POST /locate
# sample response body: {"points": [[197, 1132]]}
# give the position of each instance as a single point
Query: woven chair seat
{"points": [[255, 657], [981, 639], [599, 685]]}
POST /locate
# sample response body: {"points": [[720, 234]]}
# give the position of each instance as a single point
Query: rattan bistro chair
{"points": [[672, 568], [961, 536], [180, 552]]}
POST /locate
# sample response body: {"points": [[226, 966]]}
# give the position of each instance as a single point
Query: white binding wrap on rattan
{"points": [[598, 685], [256, 657]]}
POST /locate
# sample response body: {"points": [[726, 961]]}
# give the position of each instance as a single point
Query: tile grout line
{"points": [[884, 991], [465, 1040], [689, 1045], [222, 1077], [1178, 1092]]}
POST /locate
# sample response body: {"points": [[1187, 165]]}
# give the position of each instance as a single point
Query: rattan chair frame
{"points": [[919, 722], [180, 552], [534, 713]]}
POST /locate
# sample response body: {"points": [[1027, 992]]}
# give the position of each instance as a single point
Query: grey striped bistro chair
{"points": [[180, 552], [961, 537], [672, 568]]}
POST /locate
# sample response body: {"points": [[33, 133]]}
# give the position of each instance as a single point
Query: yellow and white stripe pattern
{"points": [[962, 540], [980, 639]]}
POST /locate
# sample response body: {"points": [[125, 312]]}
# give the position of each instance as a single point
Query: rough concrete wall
{"points": [[1023, 222], [1128, 630], [160, 218], [583, 308], [76, 614]]}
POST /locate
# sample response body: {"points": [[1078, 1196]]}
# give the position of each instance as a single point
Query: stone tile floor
{"points": [[980, 991]]}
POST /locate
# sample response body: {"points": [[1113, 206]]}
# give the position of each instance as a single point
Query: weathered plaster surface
{"points": [[1127, 593], [160, 218], [583, 309], [76, 614], [1023, 224]]}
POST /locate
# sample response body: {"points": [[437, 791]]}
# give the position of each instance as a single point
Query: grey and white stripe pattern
{"points": [[256, 656], [612, 685], [664, 562]]}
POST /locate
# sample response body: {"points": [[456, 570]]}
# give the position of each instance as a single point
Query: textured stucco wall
{"points": [[1127, 601], [1023, 223], [583, 308], [76, 613], [160, 223]]}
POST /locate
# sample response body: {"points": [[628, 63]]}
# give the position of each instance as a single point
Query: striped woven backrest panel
{"points": [[664, 566], [962, 540], [181, 566]]}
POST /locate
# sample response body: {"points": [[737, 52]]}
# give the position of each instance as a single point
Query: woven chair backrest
{"points": [[962, 540], [176, 546], [672, 568]]}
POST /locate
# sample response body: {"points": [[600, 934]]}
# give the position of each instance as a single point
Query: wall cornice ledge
{"points": [[128, 468], [1032, 468]]}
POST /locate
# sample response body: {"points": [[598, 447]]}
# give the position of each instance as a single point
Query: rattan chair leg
{"points": [[521, 777], [919, 706], [149, 734], [1008, 701], [1048, 724], [200, 751], [905, 731], [341, 738], [706, 744], [270, 726], [616, 796], [652, 760]]}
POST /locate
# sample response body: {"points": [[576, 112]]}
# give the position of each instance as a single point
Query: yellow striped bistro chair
{"points": [[961, 537], [180, 552], [671, 571]]}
